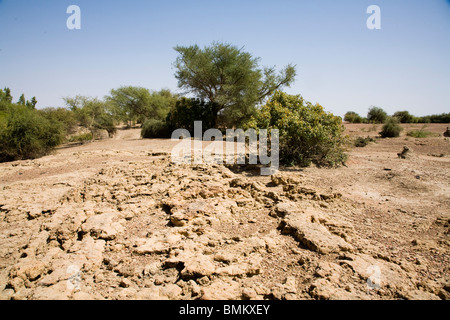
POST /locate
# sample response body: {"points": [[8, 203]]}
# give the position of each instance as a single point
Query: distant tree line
{"points": [[378, 115], [391, 127], [28, 133]]}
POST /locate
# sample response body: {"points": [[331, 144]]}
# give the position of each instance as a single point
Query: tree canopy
{"points": [[377, 115], [229, 78], [91, 113], [353, 117], [130, 103]]}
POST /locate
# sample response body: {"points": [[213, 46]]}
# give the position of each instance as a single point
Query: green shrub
{"points": [[422, 133], [353, 117], [418, 134], [376, 115], [153, 128], [27, 135], [391, 128], [361, 142], [308, 134]]}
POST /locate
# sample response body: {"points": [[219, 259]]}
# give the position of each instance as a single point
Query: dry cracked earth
{"points": [[115, 219]]}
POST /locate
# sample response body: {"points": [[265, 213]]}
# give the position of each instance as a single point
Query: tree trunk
{"points": [[215, 114]]}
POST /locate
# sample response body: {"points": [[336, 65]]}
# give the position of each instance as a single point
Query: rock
{"points": [[222, 289], [28, 270], [197, 267], [253, 244], [329, 270], [125, 283], [34, 212], [271, 244], [90, 249], [179, 219], [285, 291], [240, 183], [249, 294], [125, 270], [152, 293], [6, 294], [171, 275], [279, 179], [421, 295], [278, 292], [194, 288], [447, 132], [204, 281], [23, 294], [58, 291], [171, 291], [159, 244], [224, 257], [284, 209], [443, 294], [405, 154], [314, 236], [290, 285], [16, 283], [159, 280], [254, 265], [102, 226], [235, 270], [83, 296], [379, 273], [63, 269], [152, 268], [182, 212], [322, 289]]}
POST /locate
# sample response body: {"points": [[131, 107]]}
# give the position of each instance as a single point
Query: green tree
{"points": [[187, 111], [229, 78], [307, 133], [32, 103], [5, 95], [92, 114], [153, 128], [440, 118], [353, 117], [376, 115], [5, 99], [22, 100], [161, 102], [131, 104], [404, 117], [65, 116]]}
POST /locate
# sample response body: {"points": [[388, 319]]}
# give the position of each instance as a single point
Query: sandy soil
{"points": [[115, 219]]}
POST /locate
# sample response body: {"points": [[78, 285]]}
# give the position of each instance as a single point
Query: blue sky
{"points": [[341, 63]]}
